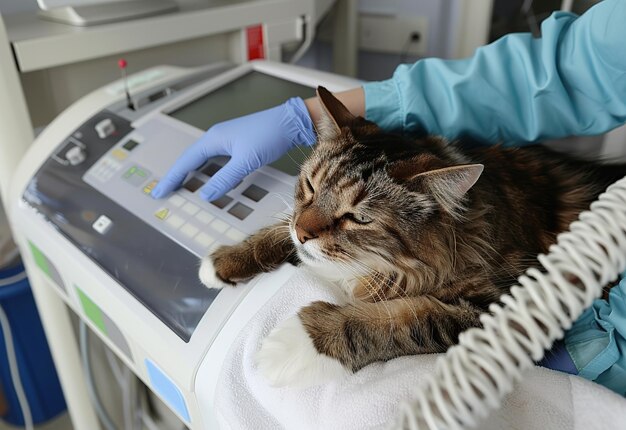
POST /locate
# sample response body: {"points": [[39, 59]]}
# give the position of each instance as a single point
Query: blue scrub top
{"points": [[571, 81]]}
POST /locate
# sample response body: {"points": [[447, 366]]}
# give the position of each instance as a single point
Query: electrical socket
{"points": [[392, 33]]}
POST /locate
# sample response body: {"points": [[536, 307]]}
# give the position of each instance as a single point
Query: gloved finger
{"points": [[224, 180], [192, 158]]}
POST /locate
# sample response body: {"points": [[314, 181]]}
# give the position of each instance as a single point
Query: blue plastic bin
{"points": [[36, 369]]}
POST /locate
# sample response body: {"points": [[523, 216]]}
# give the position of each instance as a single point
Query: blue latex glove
{"points": [[251, 141]]}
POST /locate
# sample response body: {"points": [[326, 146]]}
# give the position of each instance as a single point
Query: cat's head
{"points": [[366, 198]]}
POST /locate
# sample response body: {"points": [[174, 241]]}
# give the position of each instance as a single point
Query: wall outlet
{"points": [[392, 33]]}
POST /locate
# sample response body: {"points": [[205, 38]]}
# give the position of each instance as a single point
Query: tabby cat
{"points": [[425, 235]]}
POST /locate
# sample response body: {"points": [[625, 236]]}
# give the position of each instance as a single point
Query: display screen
{"points": [[248, 94]]}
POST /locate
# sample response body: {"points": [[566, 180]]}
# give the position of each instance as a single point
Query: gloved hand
{"points": [[251, 141]]}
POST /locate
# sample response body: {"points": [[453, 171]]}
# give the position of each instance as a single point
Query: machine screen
{"points": [[248, 94]]}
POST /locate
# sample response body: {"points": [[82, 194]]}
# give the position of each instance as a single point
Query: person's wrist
{"points": [[302, 128]]}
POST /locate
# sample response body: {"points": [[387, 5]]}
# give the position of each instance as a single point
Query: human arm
{"points": [[353, 99], [571, 81]]}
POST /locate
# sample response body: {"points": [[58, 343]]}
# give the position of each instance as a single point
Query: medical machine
{"points": [[127, 264]]}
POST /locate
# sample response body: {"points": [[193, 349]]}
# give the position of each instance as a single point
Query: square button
{"points": [[239, 210], [220, 226], [190, 208], [193, 184], [204, 217], [102, 224], [204, 239], [222, 202], [235, 235], [130, 145], [176, 200], [189, 230], [254, 193], [211, 169], [175, 221]]}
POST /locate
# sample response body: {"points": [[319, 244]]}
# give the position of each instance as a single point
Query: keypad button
{"points": [[235, 235], [119, 154], [176, 200], [193, 184], [211, 169], [204, 217], [102, 224], [162, 213], [130, 145], [219, 226], [239, 210], [175, 221], [189, 230], [254, 193], [148, 188], [222, 202], [204, 239], [190, 208], [136, 175]]}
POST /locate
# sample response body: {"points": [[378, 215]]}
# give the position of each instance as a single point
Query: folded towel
{"points": [[369, 399]]}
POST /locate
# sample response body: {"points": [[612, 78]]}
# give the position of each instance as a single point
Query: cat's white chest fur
{"points": [[345, 282]]}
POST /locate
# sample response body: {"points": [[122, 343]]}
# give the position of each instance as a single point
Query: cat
{"points": [[425, 234]]}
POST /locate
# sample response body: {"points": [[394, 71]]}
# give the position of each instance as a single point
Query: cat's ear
{"points": [[447, 185], [333, 115]]}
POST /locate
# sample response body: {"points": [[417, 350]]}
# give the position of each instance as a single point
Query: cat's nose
{"points": [[304, 235]]}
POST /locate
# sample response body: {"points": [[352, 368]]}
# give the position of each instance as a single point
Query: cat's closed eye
{"points": [[358, 218]]}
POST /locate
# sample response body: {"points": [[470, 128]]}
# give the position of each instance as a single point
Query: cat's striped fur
{"points": [[425, 237]]}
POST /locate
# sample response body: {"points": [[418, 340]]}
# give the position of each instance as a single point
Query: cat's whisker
{"points": [[298, 162], [359, 277], [283, 199], [376, 274]]}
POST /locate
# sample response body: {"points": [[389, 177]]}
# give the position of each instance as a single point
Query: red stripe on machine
{"points": [[256, 48]]}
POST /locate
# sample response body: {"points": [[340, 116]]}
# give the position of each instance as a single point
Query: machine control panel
{"points": [[129, 171], [95, 189]]}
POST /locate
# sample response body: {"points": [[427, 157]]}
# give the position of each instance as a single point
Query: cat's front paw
{"points": [[208, 274], [228, 265], [288, 358]]}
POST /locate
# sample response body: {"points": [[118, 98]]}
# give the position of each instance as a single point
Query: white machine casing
{"points": [[186, 372]]}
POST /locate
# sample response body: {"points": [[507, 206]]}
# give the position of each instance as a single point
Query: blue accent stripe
{"points": [[164, 386]]}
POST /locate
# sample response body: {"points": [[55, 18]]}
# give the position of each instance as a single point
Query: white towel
{"points": [[370, 397]]}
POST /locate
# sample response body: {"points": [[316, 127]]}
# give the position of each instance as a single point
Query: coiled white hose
{"points": [[474, 376]]}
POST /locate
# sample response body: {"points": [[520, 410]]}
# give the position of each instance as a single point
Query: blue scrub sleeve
{"points": [[596, 342], [571, 81]]}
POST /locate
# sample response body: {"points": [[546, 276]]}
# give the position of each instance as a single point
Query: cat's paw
{"points": [[208, 275], [288, 358], [228, 265]]}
